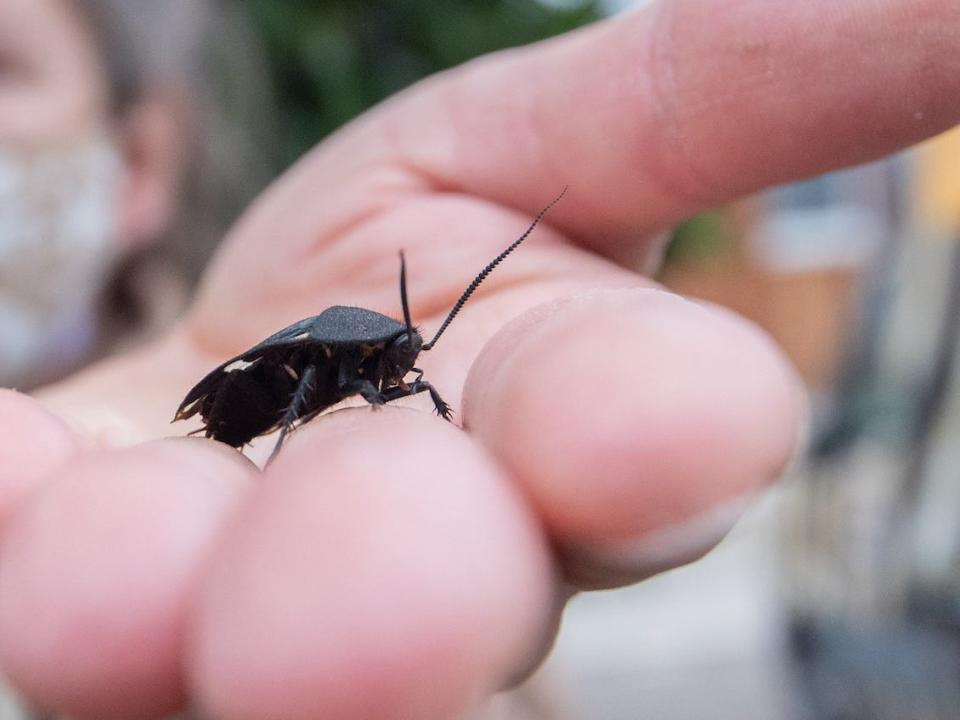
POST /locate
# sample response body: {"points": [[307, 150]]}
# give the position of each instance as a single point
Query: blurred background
{"points": [[838, 597]]}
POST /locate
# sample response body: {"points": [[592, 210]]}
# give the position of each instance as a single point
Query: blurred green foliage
{"points": [[707, 238], [329, 60]]}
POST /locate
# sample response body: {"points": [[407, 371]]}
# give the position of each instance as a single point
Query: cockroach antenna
{"points": [[403, 295], [487, 270]]}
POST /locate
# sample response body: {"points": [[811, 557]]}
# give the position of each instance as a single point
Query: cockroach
{"points": [[300, 371]]}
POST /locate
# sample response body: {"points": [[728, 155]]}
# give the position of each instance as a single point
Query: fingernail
{"points": [[617, 563]]}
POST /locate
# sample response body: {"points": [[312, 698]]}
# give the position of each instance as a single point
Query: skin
{"points": [[52, 89], [54, 93], [388, 565]]}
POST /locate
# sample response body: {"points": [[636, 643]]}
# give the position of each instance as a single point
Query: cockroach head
{"points": [[400, 355]]}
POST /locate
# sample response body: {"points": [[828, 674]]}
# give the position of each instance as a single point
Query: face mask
{"points": [[58, 211]]}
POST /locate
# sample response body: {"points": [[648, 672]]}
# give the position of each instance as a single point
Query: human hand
{"points": [[387, 564]]}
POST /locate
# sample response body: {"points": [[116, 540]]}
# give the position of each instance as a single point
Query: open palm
{"points": [[389, 565]]}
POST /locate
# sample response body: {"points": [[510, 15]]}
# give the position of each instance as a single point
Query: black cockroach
{"points": [[297, 373]]}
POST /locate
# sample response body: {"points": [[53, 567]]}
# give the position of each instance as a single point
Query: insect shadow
{"points": [[300, 371]]}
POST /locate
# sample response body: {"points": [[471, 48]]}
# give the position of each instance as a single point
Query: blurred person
{"points": [[388, 565], [95, 136]]}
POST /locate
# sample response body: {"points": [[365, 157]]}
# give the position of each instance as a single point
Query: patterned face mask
{"points": [[58, 213]]}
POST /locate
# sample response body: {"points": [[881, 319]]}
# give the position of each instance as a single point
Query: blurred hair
{"points": [[144, 42], [203, 56]]}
